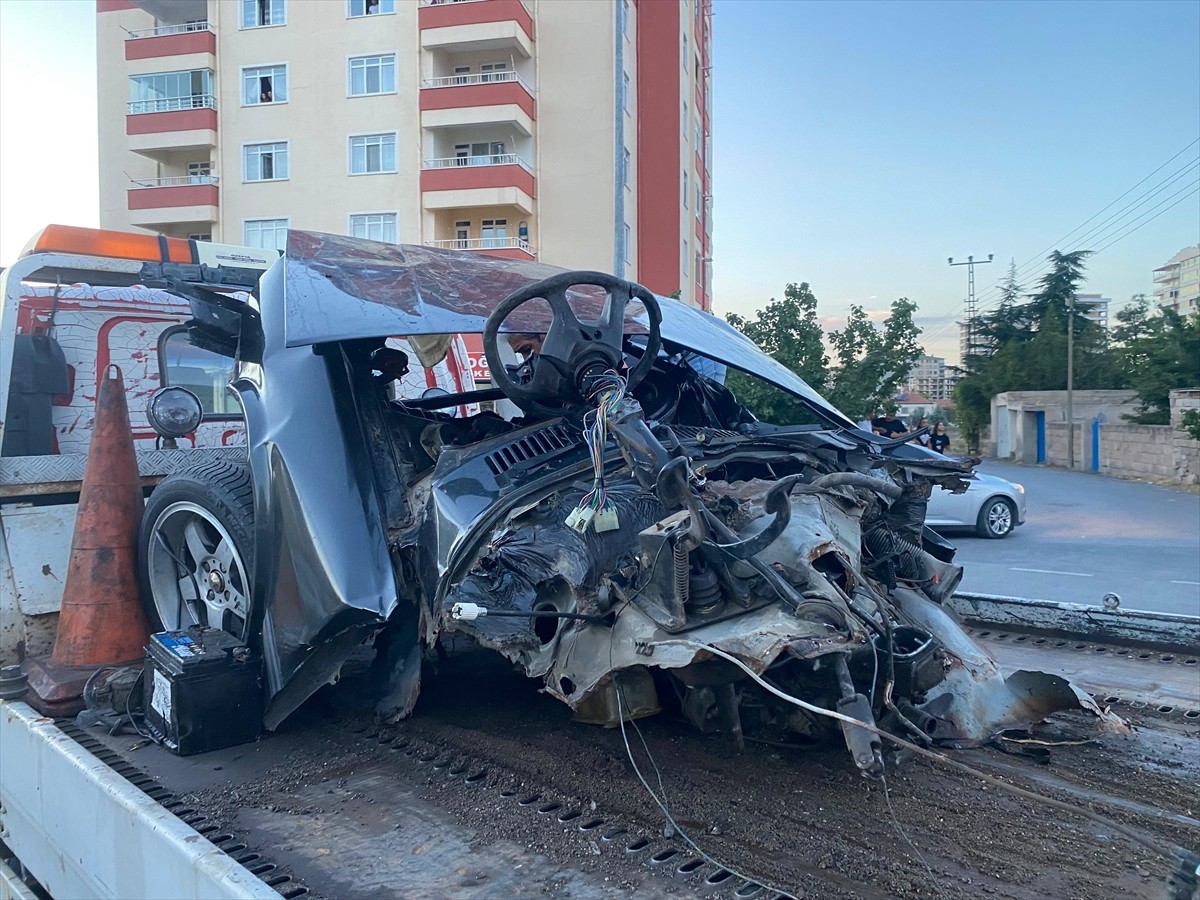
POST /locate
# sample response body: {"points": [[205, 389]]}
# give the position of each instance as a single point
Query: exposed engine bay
{"points": [[638, 540]]}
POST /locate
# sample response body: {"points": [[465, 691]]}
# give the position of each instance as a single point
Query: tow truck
{"points": [[339, 803]]}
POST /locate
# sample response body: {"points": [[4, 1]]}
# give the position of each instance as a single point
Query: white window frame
{"points": [[287, 149], [242, 26], [492, 224], [351, 14], [394, 213], [627, 92], [684, 192], [490, 69], [699, 198], [628, 243], [627, 161], [380, 57], [462, 234], [260, 68], [287, 224], [370, 134], [687, 262]]}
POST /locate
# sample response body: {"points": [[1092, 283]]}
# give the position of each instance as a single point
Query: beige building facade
{"points": [[1178, 281], [523, 128]]}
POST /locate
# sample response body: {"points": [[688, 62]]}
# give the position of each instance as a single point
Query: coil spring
{"points": [[682, 571]]}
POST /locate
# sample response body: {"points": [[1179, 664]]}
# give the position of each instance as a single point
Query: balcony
{"points": [[507, 247], [470, 181], [1166, 274], [171, 40], [470, 25], [486, 98], [171, 123], [171, 201]]}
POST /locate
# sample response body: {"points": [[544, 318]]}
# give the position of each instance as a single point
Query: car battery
{"points": [[202, 690]]}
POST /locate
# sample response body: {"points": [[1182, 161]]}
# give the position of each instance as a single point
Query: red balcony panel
{"points": [[179, 120], [445, 15], [461, 96], [508, 253], [171, 45], [103, 6], [177, 195], [467, 178]]}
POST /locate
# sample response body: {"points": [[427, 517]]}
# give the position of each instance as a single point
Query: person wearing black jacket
{"points": [[939, 440]]}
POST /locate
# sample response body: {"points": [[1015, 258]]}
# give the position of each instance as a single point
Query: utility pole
{"points": [[1070, 380], [970, 263]]}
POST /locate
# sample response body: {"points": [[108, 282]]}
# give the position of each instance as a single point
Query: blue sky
{"points": [[860, 144], [857, 145]]}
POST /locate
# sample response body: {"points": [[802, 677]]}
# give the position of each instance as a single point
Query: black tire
{"points": [[205, 511], [997, 518]]}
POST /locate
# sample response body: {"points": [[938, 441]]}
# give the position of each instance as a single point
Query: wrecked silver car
{"points": [[628, 533]]}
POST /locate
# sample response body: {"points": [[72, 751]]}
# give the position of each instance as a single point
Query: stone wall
{"points": [[1185, 450]]}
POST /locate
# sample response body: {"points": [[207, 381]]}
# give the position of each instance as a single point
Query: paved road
{"points": [[1086, 535]]}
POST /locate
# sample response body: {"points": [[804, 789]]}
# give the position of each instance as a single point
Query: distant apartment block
{"points": [[931, 378], [1093, 307], [575, 133], [1178, 282]]}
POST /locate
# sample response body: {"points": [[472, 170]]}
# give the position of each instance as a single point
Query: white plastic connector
{"points": [[579, 519], [606, 520], [467, 611]]}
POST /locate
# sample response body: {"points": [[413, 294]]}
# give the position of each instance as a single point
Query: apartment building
{"points": [[931, 378], [1178, 281], [1093, 307], [575, 132]]}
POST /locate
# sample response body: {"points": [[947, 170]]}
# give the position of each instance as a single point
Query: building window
{"points": [[493, 233], [683, 119], [375, 227], [684, 192], [684, 55], [371, 153], [265, 162], [264, 84], [257, 13], [356, 8], [481, 153], [170, 91], [628, 243], [200, 172], [625, 96], [625, 17], [269, 234], [493, 71], [699, 269], [683, 257], [627, 166], [203, 372], [462, 234], [372, 75], [699, 198], [200, 237], [699, 145]]}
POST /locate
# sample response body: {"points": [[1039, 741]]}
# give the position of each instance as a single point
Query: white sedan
{"points": [[991, 505]]}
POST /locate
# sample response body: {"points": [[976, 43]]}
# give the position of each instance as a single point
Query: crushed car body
{"points": [[624, 522]]}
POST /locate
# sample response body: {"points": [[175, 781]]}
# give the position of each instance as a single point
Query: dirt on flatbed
{"points": [[802, 822]]}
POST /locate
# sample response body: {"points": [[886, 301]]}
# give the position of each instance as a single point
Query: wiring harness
{"points": [[606, 391]]}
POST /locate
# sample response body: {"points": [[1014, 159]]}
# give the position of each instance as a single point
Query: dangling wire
{"points": [[607, 392]]}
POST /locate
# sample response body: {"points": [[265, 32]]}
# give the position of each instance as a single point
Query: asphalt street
{"points": [[1086, 535]]}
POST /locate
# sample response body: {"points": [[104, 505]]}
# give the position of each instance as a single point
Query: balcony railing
{"points": [[172, 104], [495, 159], [163, 30], [476, 77], [172, 181], [449, 2], [484, 243]]}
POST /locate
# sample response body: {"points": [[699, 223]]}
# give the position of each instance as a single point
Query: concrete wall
{"points": [[1156, 452]]}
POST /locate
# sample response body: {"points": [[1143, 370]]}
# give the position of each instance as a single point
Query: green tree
{"points": [[789, 331], [1157, 351], [868, 363], [872, 364]]}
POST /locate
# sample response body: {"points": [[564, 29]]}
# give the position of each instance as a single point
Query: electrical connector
{"points": [[606, 520], [581, 519], [467, 612]]}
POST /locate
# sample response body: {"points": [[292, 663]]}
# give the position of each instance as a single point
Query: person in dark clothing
{"points": [[939, 440], [889, 426]]}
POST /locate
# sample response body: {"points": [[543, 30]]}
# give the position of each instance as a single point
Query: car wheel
{"points": [[996, 519], [196, 550]]}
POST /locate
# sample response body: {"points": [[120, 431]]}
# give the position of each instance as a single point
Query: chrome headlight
{"points": [[174, 411]]}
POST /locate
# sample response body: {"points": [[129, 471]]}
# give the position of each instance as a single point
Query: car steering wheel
{"points": [[573, 352]]}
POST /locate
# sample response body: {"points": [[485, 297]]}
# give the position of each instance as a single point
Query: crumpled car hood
{"points": [[340, 288]]}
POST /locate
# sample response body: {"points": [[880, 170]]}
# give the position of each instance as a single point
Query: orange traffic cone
{"points": [[101, 622]]}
